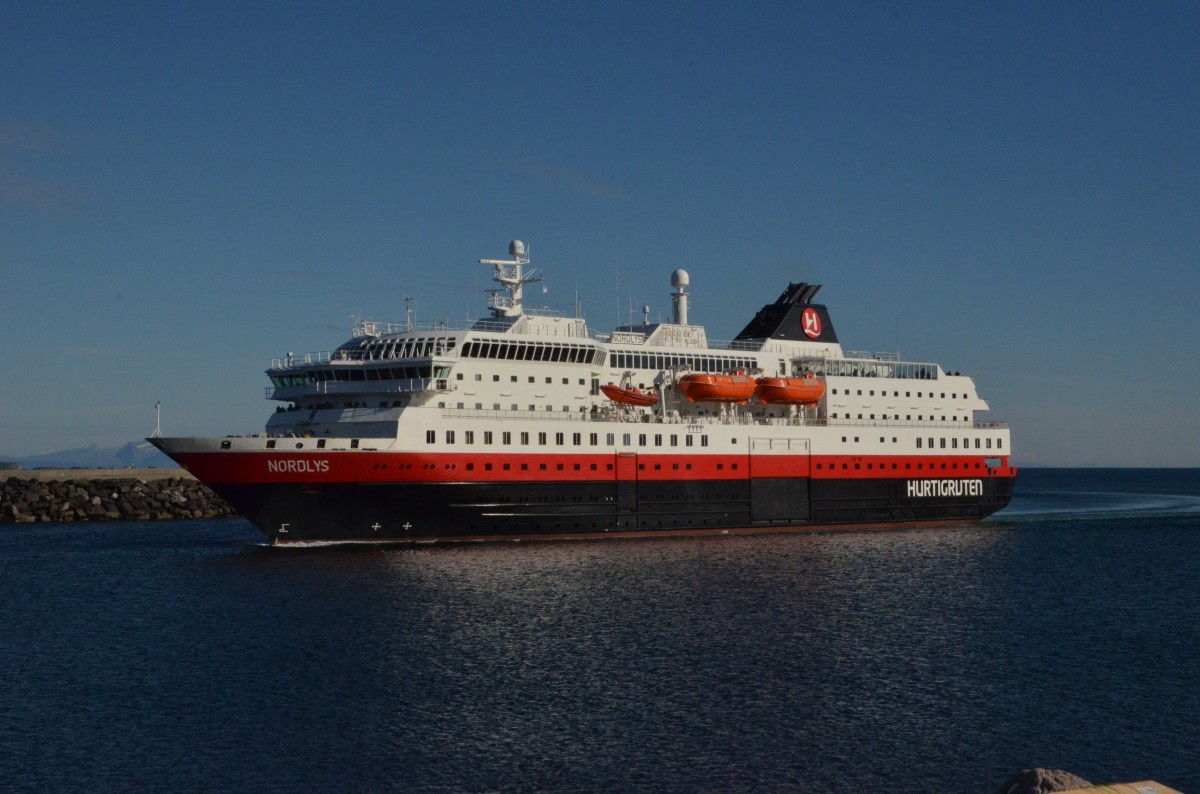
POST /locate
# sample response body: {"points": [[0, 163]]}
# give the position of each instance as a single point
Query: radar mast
{"points": [[512, 279]]}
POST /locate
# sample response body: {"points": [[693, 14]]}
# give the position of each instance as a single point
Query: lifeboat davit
{"points": [[629, 396], [790, 391], [712, 388]]}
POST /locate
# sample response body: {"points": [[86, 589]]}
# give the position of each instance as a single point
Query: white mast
{"points": [[512, 278]]}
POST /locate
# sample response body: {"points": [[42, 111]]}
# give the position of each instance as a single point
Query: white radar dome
{"points": [[679, 279], [516, 248]]}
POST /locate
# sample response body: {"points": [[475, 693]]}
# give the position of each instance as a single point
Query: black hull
{"points": [[400, 512]]}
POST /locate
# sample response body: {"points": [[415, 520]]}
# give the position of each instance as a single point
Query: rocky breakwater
{"points": [[29, 499]]}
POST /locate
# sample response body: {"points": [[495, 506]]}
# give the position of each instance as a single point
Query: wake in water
{"points": [[1060, 503]]}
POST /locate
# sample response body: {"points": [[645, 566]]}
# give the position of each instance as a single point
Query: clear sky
{"points": [[1010, 189]]}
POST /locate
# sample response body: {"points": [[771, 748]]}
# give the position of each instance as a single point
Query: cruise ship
{"points": [[526, 424]]}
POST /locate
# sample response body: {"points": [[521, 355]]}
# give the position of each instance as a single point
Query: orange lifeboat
{"points": [[629, 396], [790, 391], [711, 388]]}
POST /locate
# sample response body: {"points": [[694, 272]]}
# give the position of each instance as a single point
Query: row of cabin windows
{"points": [[907, 417], [345, 374], [560, 439], [579, 466], [365, 348], [883, 393], [512, 407], [513, 379], [534, 351], [663, 361], [966, 442], [857, 368], [882, 466]]}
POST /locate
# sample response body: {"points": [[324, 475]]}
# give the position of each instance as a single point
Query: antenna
{"points": [[512, 279], [408, 313], [157, 420]]}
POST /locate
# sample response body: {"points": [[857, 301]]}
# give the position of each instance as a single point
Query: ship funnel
{"points": [[679, 280]]}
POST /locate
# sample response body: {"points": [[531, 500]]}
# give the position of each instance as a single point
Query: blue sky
{"points": [[1012, 189]]}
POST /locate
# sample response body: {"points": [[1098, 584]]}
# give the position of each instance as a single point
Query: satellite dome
{"points": [[679, 279], [516, 248]]}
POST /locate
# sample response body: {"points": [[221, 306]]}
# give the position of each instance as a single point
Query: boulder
{"points": [[1041, 781]]}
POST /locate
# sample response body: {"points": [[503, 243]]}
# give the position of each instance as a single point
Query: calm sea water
{"points": [[186, 656]]}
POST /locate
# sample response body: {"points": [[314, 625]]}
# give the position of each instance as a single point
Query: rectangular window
{"points": [[688, 442], [542, 439], [577, 439], [674, 440], [704, 441], [918, 442], [593, 439], [507, 437], [658, 439], [469, 436], [430, 436], [487, 436], [525, 437], [558, 439], [641, 439], [611, 439], [449, 436], [625, 438]]}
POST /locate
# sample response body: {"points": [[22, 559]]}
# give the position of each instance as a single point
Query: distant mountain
{"points": [[136, 455]]}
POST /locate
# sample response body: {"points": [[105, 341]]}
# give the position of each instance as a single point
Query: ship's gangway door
{"points": [[779, 472], [626, 482]]}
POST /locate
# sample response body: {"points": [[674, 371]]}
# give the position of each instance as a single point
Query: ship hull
{"points": [[313, 512]]}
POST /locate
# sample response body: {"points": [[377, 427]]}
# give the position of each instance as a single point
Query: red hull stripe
{"points": [[367, 466]]}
